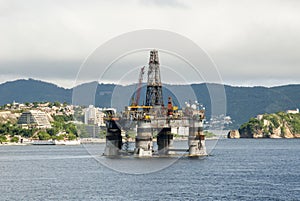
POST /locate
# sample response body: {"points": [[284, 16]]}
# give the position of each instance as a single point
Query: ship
{"points": [[56, 142]]}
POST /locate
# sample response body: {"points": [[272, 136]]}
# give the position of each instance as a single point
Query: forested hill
{"points": [[242, 102]]}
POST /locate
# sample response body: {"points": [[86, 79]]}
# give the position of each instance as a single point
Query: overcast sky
{"points": [[254, 42]]}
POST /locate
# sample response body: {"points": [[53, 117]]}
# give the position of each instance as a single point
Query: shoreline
{"points": [[92, 141], [103, 141]]}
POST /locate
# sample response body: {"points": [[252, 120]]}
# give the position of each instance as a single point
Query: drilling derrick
{"points": [[154, 87]]}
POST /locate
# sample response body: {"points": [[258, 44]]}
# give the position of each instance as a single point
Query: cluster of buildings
{"points": [[47, 107], [218, 122], [38, 115]]}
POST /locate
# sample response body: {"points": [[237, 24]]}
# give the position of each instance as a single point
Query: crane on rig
{"points": [[138, 91]]}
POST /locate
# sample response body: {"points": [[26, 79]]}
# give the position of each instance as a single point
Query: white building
{"points": [[293, 111], [34, 118], [94, 115]]}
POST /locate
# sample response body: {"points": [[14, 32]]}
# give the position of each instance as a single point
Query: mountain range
{"points": [[241, 103]]}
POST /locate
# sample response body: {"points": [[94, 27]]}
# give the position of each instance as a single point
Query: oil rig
{"points": [[153, 120]]}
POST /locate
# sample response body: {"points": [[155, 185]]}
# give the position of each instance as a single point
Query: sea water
{"points": [[236, 169]]}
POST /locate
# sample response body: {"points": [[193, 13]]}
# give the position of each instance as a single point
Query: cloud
{"points": [[250, 41], [165, 3]]}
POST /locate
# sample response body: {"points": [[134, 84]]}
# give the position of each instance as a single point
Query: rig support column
{"points": [[113, 139], [196, 139], [143, 140], [164, 140]]}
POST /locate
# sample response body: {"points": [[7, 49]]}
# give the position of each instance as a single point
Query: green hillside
{"points": [[276, 125]]}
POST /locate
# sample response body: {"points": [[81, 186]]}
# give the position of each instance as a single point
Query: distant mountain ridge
{"points": [[31, 90], [241, 102]]}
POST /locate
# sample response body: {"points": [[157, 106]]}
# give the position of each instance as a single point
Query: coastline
{"points": [[103, 141], [14, 144], [94, 141]]}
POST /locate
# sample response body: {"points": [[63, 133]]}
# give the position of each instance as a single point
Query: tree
{"points": [[71, 136], [27, 132], [102, 134], [57, 104], [52, 131], [250, 127], [70, 128], [14, 139], [44, 135], [82, 131], [35, 104], [209, 134], [60, 137], [15, 130], [3, 139]]}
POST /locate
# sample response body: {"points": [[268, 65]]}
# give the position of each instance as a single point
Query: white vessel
{"points": [[67, 142], [43, 142]]}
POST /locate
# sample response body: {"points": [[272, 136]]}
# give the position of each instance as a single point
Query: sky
{"points": [[252, 42]]}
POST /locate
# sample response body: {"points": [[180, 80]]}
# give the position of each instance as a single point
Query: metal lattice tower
{"points": [[154, 87]]}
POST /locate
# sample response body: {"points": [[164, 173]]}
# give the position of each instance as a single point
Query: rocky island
{"points": [[277, 125]]}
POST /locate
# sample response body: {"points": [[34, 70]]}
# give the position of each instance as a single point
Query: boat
{"points": [[43, 142], [67, 142]]}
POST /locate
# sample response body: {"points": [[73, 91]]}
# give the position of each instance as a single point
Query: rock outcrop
{"points": [[279, 125], [233, 134]]}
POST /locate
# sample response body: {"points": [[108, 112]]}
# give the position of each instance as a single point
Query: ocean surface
{"points": [[243, 169]]}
